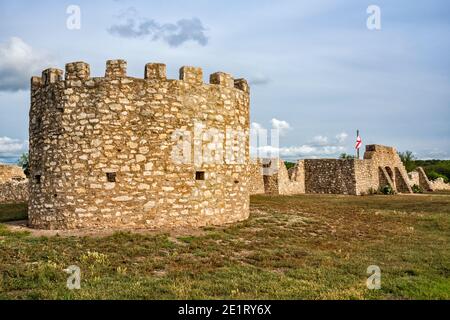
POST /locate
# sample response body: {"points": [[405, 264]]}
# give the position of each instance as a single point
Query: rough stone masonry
{"points": [[381, 166], [13, 184], [101, 148]]}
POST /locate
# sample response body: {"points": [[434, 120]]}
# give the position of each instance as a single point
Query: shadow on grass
{"points": [[13, 212]]}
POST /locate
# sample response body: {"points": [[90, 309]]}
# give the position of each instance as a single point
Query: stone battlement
{"points": [[117, 69]]}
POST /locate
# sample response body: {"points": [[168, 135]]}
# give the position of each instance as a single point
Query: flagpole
{"points": [[357, 149]]}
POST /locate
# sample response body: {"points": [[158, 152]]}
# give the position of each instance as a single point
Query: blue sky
{"points": [[315, 69]]}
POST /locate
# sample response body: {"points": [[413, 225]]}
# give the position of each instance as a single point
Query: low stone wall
{"points": [[335, 176], [10, 172], [277, 179], [256, 180], [439, 184], [271, 174], [413, 178], [367, 177], [290, 184], [14, 191], [297, 178], [381, 166]]}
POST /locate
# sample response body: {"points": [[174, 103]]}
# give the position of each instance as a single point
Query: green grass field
{"points": [[297, 247]]}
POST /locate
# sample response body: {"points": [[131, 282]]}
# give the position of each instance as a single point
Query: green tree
{"points": [[346, 156], [408, 160], [25, 164]]}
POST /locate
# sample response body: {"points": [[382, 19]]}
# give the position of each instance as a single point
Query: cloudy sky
{"points": [[316, 71]]}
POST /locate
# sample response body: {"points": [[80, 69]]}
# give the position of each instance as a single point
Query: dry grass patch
{"points": [[292, 247]]}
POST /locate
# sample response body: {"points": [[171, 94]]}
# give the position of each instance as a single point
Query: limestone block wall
{"points": [[423, 180], [419, 177], [101, 149], [414, 178], [9, 172], [387, 158], [296, 176], [367, 177], [278, 181], [334, 176], [286, 185], [256, 180], [271, 173], [439, 184], [381, 166], [14, 191]]}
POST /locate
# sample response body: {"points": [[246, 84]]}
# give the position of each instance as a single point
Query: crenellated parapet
{"points": [[78, 71], [117, 69], [155, 71]]}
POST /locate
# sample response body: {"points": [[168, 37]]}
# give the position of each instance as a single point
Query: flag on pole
{"points": [[358, 142]]}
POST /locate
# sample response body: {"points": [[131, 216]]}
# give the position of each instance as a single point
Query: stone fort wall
{"points": [[13, 184], [439, 184], [14, 191], [330, 176], [381, 166], [10, 172], [256, 178], [101, 149]]}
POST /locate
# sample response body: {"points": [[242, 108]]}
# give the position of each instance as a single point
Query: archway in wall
{"points": [[390, 173]]}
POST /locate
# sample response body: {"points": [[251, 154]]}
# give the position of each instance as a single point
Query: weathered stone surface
{"points": [[439, 184], [256, 180], [11, 172], [101, 149], [277, 179], [419, 177], [14, 191], [13, 184], [381, 166]]}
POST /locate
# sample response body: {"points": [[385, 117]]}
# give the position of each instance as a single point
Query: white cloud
{"points": [[280, 125], [12, 148], [319, 147], [18, 62], [256, 126], [299, 152], [434, 153], [320, 140], [341, 137]]}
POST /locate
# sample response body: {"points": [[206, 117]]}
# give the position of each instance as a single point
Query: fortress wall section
{"points": [[333, 176]]}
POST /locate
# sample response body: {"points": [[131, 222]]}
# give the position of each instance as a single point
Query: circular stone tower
{"points": [[118, 151]]}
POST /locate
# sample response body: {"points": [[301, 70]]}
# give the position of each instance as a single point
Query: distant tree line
{"points": [[433, 168]]}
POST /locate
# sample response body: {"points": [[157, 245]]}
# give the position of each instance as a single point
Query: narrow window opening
{"points": [[37, 178], [200, 175], [111, 176]]}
